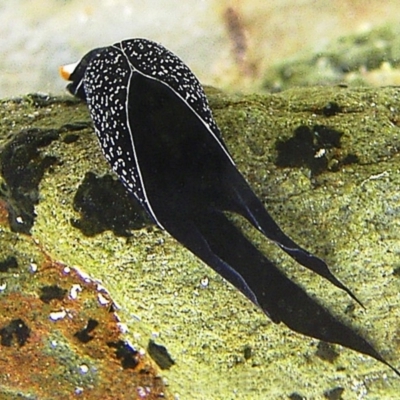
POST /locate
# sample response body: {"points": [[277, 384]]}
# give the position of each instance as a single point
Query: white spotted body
{"points": [[107, 82]]}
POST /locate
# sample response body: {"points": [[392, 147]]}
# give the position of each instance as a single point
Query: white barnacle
{"points": [[75, 289], [83, 369], [57, 315], [33, 267], [103, 301], [78, 390], [320, 153]]}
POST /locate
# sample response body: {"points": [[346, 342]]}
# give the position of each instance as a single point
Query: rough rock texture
{"points": [[362, 59], [326, 163]]}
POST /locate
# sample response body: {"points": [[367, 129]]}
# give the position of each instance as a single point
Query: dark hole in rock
{"points": [[334, 394], [71, 138], [112, 308], [16, 329], [52, 292], [326, 351], [350, 159], [327, 137], [22, 166], [247, 352], [84, 334], [160, 355], [104, 204], [349, 310], [75, 126], [296, 396], [125, 353], [307, 148], [331, 109], [8, 263]]}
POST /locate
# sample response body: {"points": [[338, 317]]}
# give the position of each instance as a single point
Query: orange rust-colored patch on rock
{"points": [[59, 338], [3, 212]]}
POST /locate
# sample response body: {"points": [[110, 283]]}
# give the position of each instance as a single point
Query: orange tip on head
{"points": [[67, 70]]}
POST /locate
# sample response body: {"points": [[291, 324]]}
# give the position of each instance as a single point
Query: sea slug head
{"points": [[75, 73]]}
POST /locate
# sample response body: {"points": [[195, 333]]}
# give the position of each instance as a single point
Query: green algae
{"points": [[348, 215], [348, 59]]}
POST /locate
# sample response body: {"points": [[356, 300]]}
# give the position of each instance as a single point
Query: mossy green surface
{"points": [[348, 214], [352, 59]]}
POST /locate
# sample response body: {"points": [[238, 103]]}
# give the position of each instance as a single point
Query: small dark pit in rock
{"points": [[308, 148], [331, 109], [84, 334], [125, 353], [52, 292], [15, 329], [104, 204], [70, 138], [8, 263], [160, 355], [247, 352], [334, 394], [22, 165], [296, 396], [326, 352]]}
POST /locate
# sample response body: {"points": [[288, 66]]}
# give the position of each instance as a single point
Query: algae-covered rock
{"points": [[368, 58], [324, 161]]}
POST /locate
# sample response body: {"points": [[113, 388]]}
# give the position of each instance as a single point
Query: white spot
{"points": [[320, 153], [142, 352], [123, 328], [83, 275], [143, 392], [101, 288], [33, 267], [76, 288], [57, 315], [78, 390], [204, 282], [102, 300], [116, 306], [83, 369]]}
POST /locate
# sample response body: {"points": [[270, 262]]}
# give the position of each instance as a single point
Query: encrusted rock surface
{"points": [[61, 208]]}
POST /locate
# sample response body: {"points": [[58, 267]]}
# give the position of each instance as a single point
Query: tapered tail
{"points": [[249, 206], [227, 250]]}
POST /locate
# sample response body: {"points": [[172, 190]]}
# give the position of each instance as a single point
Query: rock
{"points": [[367, 58], [339, 199]]}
